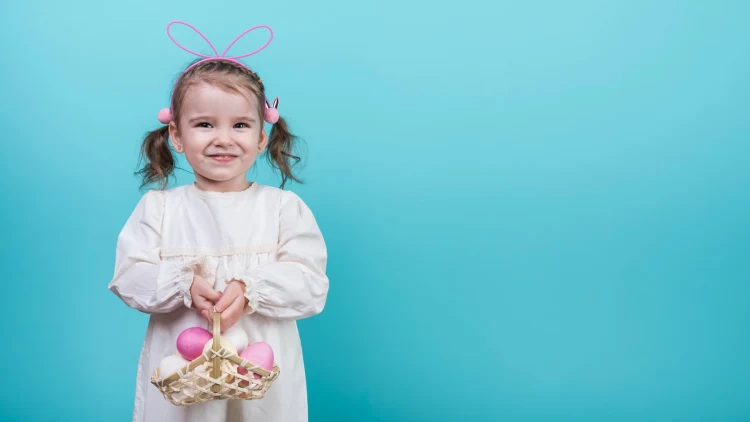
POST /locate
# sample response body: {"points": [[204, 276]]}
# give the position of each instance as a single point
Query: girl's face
{"points": [[221, 136]]}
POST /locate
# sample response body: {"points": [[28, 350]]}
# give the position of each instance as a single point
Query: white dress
{"points": [[264, 236]]}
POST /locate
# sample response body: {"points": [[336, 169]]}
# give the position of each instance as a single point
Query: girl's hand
{"points": [[232, 304], [204, 296]]}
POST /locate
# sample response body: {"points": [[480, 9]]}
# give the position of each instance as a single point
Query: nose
{"points": [[223, 138]]}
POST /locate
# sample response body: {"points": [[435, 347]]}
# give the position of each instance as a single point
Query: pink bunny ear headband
{"points": [[272, 110]]}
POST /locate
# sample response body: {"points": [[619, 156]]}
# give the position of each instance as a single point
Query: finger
{"points": [[204, 289], [233, 313], [212, 294], [207, 314], [238, 305], [201, 303], [226, 299]]}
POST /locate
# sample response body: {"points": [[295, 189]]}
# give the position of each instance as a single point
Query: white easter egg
{"points": [[237, 336], [171, 364], [225, 343]]}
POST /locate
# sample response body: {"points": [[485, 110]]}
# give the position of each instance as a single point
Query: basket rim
{"points": [[200, 360], [245, 392]]}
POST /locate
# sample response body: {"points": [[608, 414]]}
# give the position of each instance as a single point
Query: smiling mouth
{"points": [[223, 158]]}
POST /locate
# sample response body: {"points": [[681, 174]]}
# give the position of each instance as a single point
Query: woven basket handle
{"points": [[217, 331], [216, 370]]}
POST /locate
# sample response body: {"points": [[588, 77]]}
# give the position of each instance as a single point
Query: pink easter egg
{"points": [[190, 342], [260, 354]]}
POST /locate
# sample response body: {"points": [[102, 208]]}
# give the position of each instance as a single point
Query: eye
{"points": [[242, 126], [203, 124]]}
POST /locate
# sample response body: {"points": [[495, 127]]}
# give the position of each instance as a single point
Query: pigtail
{"points": [[159, 160], [281, 143]]}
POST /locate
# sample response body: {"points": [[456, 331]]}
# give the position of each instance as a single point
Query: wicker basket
{"points": [[213, 376]]}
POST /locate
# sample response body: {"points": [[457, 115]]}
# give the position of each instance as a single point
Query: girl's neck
{"points": [[237, 185]]}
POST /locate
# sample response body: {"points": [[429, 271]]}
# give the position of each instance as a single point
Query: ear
{"points": [[263, 141], [174, 138], [267, 104], [276, 103]]}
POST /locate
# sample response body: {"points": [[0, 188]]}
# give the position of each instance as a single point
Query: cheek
{"points": [[250, 144], [195, 143]]}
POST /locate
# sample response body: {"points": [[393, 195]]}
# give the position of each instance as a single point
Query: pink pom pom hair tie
{"points": [[271, 114], [272, 111]]}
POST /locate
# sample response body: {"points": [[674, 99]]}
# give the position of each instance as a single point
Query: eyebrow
{"points": [[205, 117]]}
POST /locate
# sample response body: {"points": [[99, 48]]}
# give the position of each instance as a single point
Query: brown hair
{"points": [[232, 77]]}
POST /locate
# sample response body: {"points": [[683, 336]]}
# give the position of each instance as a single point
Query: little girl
{"points": [[253, 253]]}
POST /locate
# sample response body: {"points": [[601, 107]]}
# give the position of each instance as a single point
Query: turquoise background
{"points": [[535, 210]]}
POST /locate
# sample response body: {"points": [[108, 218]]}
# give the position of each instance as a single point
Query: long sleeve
{"points": [[295, 286], [140, 278]]}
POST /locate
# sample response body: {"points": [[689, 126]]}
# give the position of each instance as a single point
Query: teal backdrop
{"points": [[534, 210]]}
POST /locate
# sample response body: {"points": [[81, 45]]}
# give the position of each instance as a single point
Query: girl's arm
{"points": [[296, 286], [139, 278]]}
